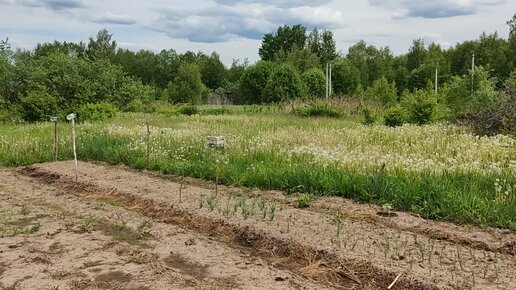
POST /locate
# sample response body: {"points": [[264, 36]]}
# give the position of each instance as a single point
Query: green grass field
{"points": [[437, 171]]}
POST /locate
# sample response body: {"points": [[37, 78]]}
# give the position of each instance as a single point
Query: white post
{"points": [[327, 81], [472, 73], [331, 87], [71, 117]]}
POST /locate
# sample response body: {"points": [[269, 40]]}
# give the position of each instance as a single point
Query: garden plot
{"points": [[239, 238]]}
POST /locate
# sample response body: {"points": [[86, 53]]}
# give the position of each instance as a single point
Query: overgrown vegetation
{"points": [[437, 171]]}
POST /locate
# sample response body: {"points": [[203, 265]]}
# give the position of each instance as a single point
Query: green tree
{"points": [[345, 78], [416, 55], [38, 106], [213, 71], [328, 52], [187, 86], [512, 25], [101, 47], [315, 82], [284, 84], [301, 58], [285, 38], [253, 82]]}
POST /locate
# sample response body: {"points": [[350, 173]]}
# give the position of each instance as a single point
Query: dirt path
{"points": [[335, 243]]}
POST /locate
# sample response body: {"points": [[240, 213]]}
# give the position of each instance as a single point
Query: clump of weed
{"points": [[304, 201]]}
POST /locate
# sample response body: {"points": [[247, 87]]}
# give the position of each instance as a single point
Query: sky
{"points": [[234, 29]]}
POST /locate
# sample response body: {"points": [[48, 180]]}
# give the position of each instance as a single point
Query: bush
{"points": [[382, 91], [315, 82], [465, 97], [188, 110], [187, 86], [253, 82], [38, 106], [395, 117], [284, 84], [420, 105], [96, 112], [499, 118], [319, 109], [216, 111], [369, 116]]}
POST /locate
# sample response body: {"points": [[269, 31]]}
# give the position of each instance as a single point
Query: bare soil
{"points": [[118, 228]]}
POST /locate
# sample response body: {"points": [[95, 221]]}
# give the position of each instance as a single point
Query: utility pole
{"points": [[436, 79], [472, 73], [327, 80], [331, 85]]}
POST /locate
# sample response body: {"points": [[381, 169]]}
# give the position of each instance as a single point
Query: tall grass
{"points": [[437, 171]]}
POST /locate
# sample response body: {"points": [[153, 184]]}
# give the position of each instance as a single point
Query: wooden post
{"points": [[148, 145], [71, 117], [74, 149], [55, 141], [54, 119]]}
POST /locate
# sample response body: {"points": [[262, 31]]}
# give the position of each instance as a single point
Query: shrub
{"points": [[187, 86], [38, 106], [284, 84], [319, 109], [382, 91], [464, 97], [253, 82], [188, 110], [499, 118], [395, 117], [315, 82], [420, 105], [369, 116], [216, 111], [96, 112]]}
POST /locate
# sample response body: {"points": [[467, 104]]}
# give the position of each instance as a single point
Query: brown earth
{"points": [[122, 229]]}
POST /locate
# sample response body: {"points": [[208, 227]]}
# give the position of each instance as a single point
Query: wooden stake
{"points": [[55, 139], [148, 145], [74, 148]]}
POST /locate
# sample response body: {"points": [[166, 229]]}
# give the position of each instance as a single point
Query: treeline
{"points": [[59, 77]]}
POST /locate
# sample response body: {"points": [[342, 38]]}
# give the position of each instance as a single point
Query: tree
{"points": [[285, 38], [328, 51], [284, 84], [345, 78], [512, 25], [315, 81], [253, 82], [301, 58], [187, 86], [101, 47], [416, 55], [38, 106], [213, 71]]}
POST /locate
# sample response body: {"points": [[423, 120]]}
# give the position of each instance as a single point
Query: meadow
{"points": [[436, 171]]}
